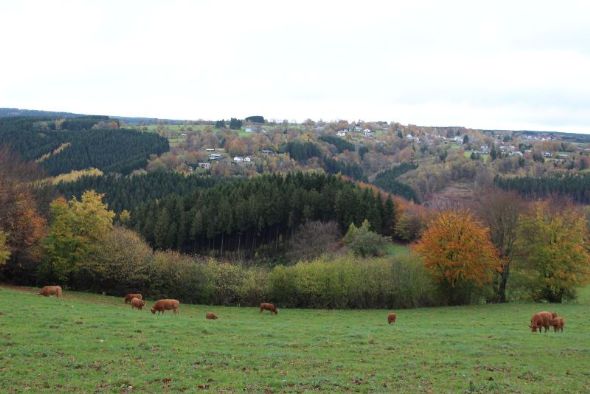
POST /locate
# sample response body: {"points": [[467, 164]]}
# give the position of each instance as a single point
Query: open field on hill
{"points": [[91, 343]]}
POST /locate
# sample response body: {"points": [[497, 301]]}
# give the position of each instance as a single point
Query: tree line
{"points": [[129, 192], [575, 186], [110, 150], [387, 180], [243, 215]]}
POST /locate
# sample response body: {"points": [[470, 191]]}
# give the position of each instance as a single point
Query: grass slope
{"points": [[90, 343]]}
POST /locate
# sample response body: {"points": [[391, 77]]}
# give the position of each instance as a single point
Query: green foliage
{"points": [[128, 192], [77, 227], [576, 186], [243, 215], [338, 142], [220, 124], [119, 263], [364, 242], [110, 150], [349, 283], [235, 124], [301, 151], [387, 181], [255, 119], [551, 249]]}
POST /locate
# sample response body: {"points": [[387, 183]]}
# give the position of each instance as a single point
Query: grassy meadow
{"points": [[93, 343]]}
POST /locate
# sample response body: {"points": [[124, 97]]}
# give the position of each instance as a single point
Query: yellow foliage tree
{"points": [[77, 227], [552, 250], [458, 252]]}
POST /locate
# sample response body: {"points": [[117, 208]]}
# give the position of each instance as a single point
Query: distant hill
{"points": [[133, 121], [12, 112], [61, 145]]}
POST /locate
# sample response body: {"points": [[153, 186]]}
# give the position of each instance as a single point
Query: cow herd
{"points": [[540, 320]]}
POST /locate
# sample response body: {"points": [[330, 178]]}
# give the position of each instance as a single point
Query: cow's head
{"points": [[153, 310]]}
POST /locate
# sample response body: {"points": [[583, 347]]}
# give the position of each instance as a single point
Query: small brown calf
{"points": [[131, 296], [391, 318], [137, 303], [265, 306]]}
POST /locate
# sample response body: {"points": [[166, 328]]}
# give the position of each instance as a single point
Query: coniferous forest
{"points": [[83, 142], [242, 215]]}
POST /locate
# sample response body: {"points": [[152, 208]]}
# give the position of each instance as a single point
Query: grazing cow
{"points": [[391, 317], [137, 303], [131, 296], [541, 320], [162, 306], [265, 306], [557, 323], [50, 290], [210, 316]]}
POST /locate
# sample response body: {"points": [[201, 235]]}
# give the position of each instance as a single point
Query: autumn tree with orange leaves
{"points": [[458, 252], [21, 224]]}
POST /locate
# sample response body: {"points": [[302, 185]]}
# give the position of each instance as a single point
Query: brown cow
{"points": [[265, 306], [391, 317], [50, 290], [211, 316], [557, 323], [541, 320], [162, 306], [137, 303], [131, 296]]}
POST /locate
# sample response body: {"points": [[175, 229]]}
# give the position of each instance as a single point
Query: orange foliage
{"points": [[456, 248]]}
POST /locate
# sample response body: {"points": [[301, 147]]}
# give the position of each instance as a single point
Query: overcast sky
{"points": [[494, 64]]}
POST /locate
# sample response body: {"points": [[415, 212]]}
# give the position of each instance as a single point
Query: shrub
{"points": [[364, 242], [351, 283]]}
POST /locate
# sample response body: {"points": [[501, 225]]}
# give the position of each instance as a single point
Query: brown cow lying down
{"points": [[391, 318], [50, 290], [211, 316], [131, 296], [137, 303], [265, 306], [165, 305], [541, 320], [557, 323]]}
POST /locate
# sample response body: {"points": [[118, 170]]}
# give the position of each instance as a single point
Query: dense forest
{"points": [[387, 181], [575, 186], [303, 151], [242, 215], [129, 192], [63, 145]]}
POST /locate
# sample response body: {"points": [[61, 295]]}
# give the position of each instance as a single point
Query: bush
{"points": [[364, 242], [121, 264], [351, 283]]}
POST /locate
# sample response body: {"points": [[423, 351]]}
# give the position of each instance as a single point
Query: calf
{"points": [[50, 290], [131, 296], [265, 306], [557, 323], [391, 318], [137, 303], [210, 316], [162, 306], [541, 320]]}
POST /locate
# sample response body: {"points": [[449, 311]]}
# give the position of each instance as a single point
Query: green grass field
{"points": [[90, 343]]}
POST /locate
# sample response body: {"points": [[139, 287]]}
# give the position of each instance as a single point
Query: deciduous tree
{"points": [[552, 250], [458, 251], [77, 227]]}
